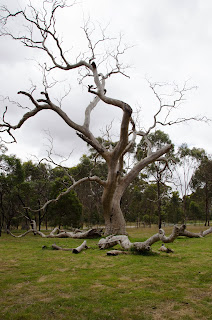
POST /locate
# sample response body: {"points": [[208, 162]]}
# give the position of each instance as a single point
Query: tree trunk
{"points": [[206, 205], [159, 204], [46, 222], [39, 216], [114, 218]]}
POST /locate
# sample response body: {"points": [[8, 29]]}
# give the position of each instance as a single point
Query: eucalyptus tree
{"points": [[173, 208], [67, 212], [158, 172], [88, 193], [184, 169], [11, 177], [36, 188], [202, 180], [97, 65]]}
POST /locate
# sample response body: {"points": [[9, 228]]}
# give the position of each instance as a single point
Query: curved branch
{"points": [[143, 163], [94, 178], [126, 244], [91, 233]]}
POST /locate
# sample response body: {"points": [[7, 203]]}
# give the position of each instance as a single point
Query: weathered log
{"points": [[206, 232], [81, 247], [73, 250], [111, 241], [116, 252], [163, 248], [89, 234], [189, 234], [21, 235], [125, 243], [55, 247]]}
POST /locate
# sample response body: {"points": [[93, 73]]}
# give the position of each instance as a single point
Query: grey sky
{"points": [[172, 43]]}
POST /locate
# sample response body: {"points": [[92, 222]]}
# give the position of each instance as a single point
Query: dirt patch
{"points": [[63, 269], [173, 310], [42, 279], [97, 285]]}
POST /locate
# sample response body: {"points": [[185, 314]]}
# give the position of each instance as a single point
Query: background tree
{"points": [[159, 171], [11, 177], [131, 203], [173, 208], [35, 190], [184, 169], [67, 212], [202, 181]]}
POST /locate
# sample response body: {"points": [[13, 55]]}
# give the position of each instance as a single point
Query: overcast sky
{"points": [[171, 42]]}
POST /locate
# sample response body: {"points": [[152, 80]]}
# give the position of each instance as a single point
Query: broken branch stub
{"points": [[81, 247]]}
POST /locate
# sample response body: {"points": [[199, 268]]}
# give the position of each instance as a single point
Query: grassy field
{"points": [[47, 284]]}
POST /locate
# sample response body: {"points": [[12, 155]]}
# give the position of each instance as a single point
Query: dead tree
{"points": [[41, 34]]}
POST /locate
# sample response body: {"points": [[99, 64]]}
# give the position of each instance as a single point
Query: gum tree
{"points": [[159, 171], [96, 67], [202, 180]]}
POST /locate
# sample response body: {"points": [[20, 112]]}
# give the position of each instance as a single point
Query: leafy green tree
{"points": [[195, 210], [90, 194], [131, 203], [67, 211], [184, 169], [202, 180], [11, 177], [37, 181], [158, 171], [173, 208]]}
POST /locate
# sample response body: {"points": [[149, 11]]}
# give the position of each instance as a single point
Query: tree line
{"points": [[174, 191]]}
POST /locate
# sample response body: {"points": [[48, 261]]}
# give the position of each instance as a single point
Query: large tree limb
{"points": [[74, 250], [126, 244], [91, 233], [143, 163], [93, 178], [189, 234]]}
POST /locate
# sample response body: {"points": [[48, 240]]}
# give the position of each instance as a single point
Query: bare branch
{"points": [[94, 178]]}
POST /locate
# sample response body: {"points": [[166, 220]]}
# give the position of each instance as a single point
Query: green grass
{"points": [[47, 284]]}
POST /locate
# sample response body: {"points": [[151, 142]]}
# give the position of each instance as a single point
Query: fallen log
{"points": [[116, 252], [144, 246], [56, 233], [189, 234], [73, 250], [81, 247], [55, 247]]}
